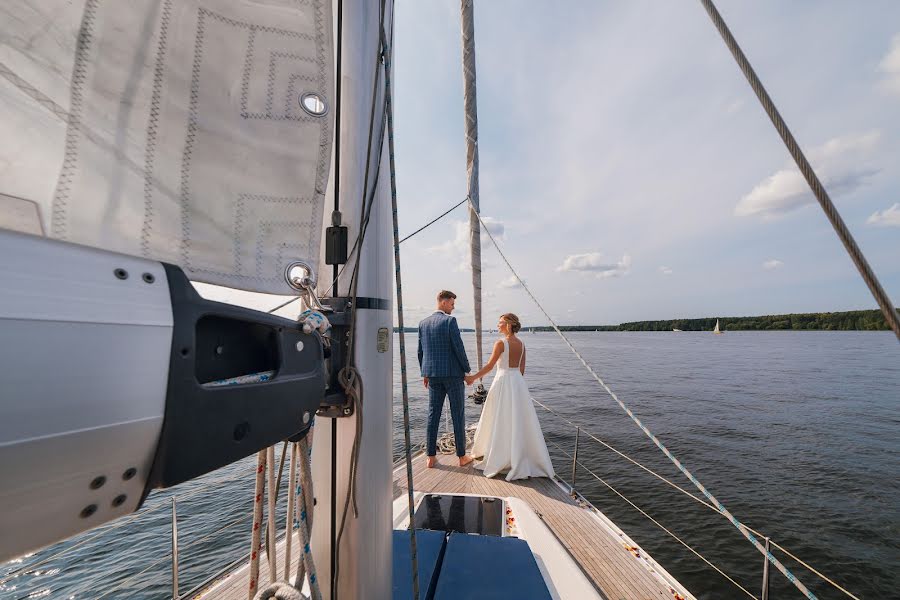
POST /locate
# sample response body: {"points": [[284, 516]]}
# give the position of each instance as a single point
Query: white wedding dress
{"points": [[508, 437]]}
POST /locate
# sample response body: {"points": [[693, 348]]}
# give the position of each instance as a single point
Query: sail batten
{"points": [[174, 130]]}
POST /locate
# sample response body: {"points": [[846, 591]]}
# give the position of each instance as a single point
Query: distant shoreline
{"points": [[856, 320]]}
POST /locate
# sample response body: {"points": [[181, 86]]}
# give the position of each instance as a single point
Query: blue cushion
{"points": [[486, 567], [429, 547]]}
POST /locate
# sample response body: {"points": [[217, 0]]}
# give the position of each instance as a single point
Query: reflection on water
{"points": [[795, 432]]}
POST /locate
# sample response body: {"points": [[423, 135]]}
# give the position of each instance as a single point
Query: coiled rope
{"points": [[737, 524], [887, 307]]}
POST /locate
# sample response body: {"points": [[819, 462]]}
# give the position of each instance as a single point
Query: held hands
{"points": [[470, 379]]}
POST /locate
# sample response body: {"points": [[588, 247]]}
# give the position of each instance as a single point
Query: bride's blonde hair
{"points": [[513, 321]]}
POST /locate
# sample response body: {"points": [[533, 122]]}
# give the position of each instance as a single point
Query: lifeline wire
{"points": [[740, 526]]}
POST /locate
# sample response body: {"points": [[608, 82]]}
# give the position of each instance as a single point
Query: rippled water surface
{"points": [[795, 432]]}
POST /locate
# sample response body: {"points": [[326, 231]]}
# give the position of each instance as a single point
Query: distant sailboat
{"points": [[680, 330], [716, 330]]}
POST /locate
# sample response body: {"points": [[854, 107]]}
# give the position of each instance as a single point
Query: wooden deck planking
{"points": [[604, 559]]}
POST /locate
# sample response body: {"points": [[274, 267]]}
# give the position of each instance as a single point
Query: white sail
{"points": [[172, 130]]}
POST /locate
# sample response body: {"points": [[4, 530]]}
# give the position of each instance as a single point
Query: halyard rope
{"points": [[389, 109], [887, 307], [737, 524]]}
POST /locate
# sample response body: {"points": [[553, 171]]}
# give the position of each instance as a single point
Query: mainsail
{"points": [[191, 132]]}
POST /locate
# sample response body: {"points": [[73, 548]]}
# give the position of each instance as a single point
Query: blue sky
{"points": [[630, 171]]}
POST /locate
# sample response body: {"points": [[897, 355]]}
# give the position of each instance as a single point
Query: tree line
{"points": [[856, 320]]}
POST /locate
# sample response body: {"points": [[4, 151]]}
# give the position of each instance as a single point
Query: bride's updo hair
{"points": [[513, 321]]}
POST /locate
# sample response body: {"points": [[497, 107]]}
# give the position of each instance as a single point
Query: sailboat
{"points": [[716, 329], [201, 142]]}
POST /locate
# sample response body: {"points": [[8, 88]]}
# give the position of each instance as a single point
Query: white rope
{"points": [[737, 524], [255, 544], [289, 516], [446, 442], [270, 529]]}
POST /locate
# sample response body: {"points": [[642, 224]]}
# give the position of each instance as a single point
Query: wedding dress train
{"points": [[508, 437]]}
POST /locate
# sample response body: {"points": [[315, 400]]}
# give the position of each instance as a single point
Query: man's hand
{"points": [[425, 379], [470, 379]]}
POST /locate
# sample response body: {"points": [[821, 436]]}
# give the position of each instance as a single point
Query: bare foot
{"points": [[431, 462], [464, 460]]}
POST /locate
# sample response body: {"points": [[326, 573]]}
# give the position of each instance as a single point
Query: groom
{"points": [[444, 363]]}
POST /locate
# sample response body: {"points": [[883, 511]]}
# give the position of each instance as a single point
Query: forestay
{"points": [[192, 132]]}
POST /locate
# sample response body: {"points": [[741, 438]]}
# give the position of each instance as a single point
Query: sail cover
{"points": [[195, 132]]}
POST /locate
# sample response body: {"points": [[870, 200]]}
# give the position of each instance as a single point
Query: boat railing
{"points": [[572, 455], [174, 557]]}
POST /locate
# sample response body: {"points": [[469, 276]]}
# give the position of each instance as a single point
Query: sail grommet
{"points": [[119, 500], [313, 104], [88, 510], [129, 473], [98, 482], [302, 283], [121, 274], [148, 277]]}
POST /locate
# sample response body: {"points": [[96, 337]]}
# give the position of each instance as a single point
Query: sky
{"points": [[628, 170]]}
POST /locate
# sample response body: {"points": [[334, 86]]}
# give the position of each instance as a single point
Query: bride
{"points": [[508, 437]]}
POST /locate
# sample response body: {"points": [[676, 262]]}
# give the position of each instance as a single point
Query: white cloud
{"points": [[734, 106], [665, 270], [890, 67], [458, 247], [595, 263], [510, 283], [771, 265], [889, 217], [843, 165]]}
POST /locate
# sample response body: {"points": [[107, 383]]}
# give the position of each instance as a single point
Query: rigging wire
{"points": [[657, 523], [116, 525], [690, 495], [821, 194], [737, 524], [167, 558], [433, 221], [404, 384]]}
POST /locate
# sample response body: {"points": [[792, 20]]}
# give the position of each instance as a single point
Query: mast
{"points": [[362, 559], [471, 114]]}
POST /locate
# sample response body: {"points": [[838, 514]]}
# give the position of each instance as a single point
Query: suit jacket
{"points": [[441, 350]]}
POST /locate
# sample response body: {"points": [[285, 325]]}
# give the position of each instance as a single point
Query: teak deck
{"points": [[602, 555], [600, 549]]}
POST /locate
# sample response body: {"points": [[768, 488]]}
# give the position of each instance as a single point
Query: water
{"points": [[795, 432]]}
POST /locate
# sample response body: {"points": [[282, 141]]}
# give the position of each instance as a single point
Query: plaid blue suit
{"points": [[442, 358]]}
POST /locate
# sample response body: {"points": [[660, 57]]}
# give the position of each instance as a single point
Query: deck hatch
{"points": [[461, 514]]}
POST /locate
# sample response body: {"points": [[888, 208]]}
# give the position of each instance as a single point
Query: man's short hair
{"points": [[446, 295]]}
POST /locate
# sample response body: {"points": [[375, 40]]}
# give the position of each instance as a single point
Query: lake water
{"points": [[795, 432]]}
